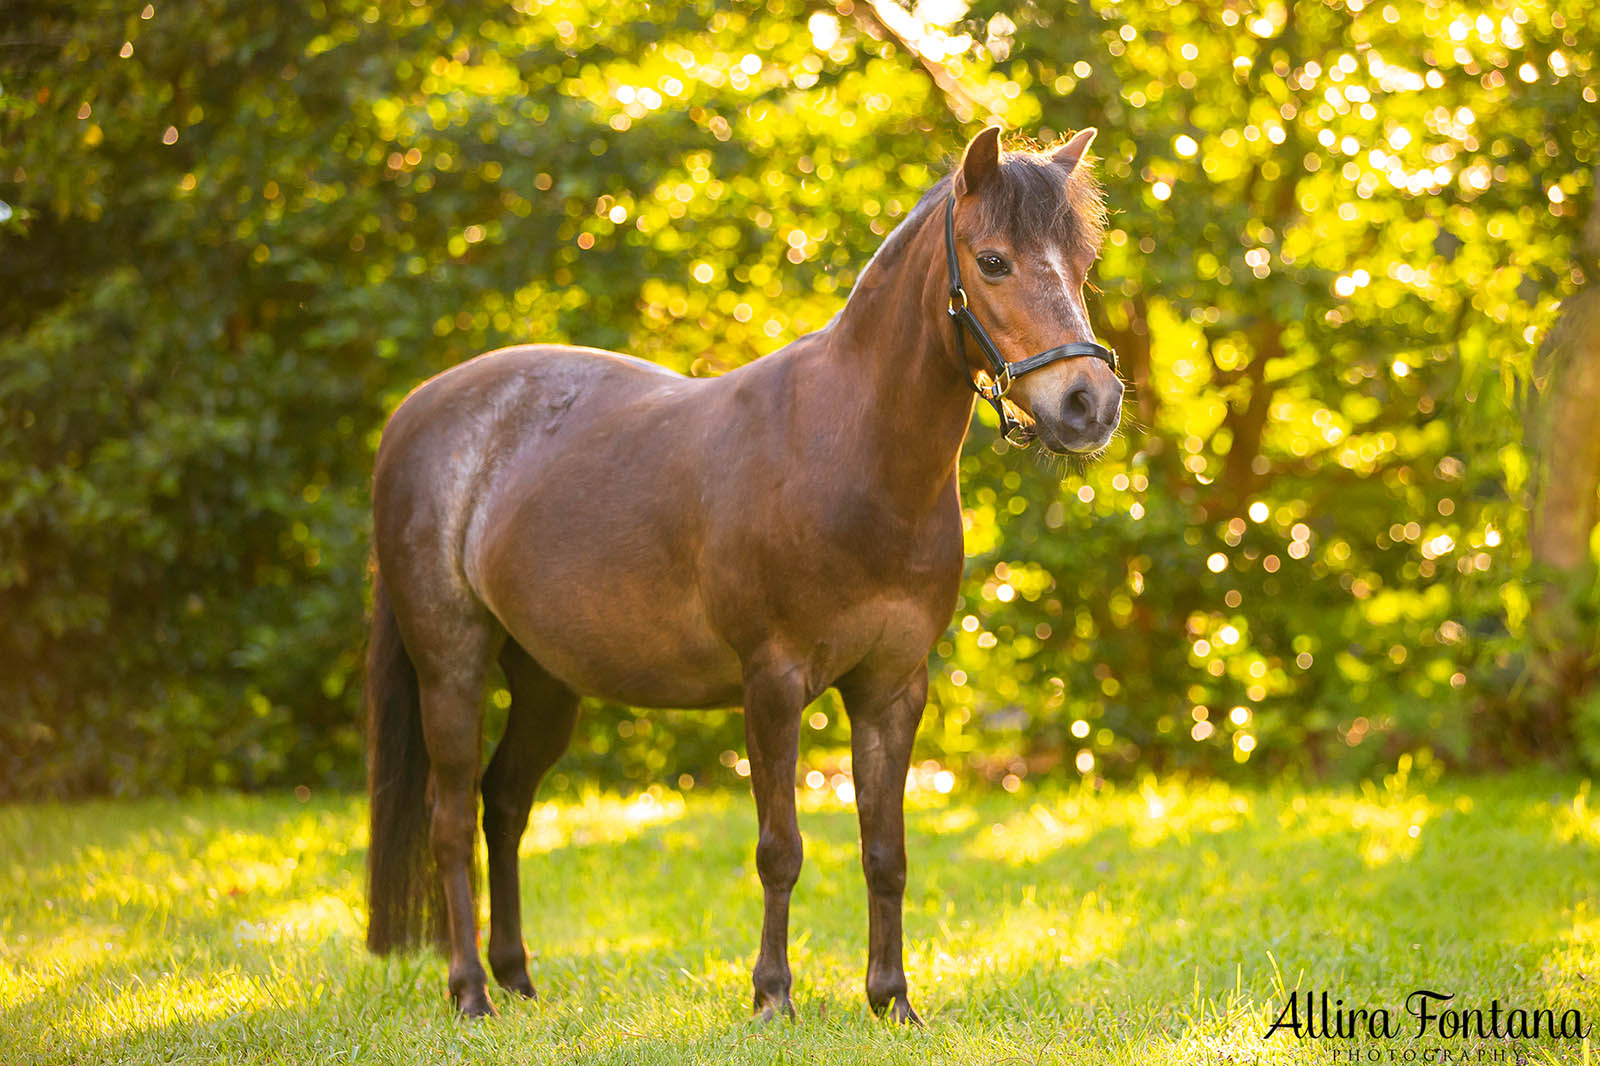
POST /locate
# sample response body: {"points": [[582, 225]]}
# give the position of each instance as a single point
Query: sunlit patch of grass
{"points": [[1159, 922], [1036, 933], [598, 818], [1027, 837], [1147, 815], [955, 820], [1578, 820], [1389, 828], [315, 918], [1390, 818], [173, 1001]]}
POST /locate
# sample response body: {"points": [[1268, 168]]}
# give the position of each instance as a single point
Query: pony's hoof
{"points": [[475, 1004], [768, 1008], [898, 1010], [518, 984]]}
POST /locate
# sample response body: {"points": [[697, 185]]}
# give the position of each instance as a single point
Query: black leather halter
{"points": [[1001, 372]]}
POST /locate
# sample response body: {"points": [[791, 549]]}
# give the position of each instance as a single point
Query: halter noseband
{"points": [[1001, 372]]}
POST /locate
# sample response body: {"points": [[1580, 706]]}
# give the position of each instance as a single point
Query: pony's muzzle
{"points": [[1088, 414]]}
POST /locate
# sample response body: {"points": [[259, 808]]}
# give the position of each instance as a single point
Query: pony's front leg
{"points": [[774, 697], [884, 716]]}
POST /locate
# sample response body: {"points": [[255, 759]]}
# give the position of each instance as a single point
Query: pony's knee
{"points": [[778, 859]]}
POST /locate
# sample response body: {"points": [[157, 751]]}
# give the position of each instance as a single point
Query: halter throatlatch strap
{"points": [[1001, 372]]}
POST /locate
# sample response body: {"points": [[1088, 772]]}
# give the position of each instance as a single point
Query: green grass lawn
{"points": [[1163, 923]]}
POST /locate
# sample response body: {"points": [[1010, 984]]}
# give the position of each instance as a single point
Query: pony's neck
{"points": [[895, 344]]}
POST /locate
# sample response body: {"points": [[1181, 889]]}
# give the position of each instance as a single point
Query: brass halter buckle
{"points": [[998, 385]]}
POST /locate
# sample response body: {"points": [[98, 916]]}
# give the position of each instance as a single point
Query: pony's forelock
{"points": [[1033, 201]]}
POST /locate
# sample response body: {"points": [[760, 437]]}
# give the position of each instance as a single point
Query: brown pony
{"points": [[607, 528]]}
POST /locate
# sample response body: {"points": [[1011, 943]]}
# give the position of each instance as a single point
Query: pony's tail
{"points": [[404, 902]]}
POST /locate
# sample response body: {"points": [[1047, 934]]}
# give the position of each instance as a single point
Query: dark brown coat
{"points": [[607, 528]]}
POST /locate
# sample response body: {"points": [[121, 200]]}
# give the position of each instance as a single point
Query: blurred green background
{"points": [[1351, 517]]}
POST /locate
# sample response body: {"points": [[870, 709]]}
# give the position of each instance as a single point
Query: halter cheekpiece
{"points": [[1001, 372]]}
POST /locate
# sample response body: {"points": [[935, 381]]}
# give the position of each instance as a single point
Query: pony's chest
{"points": [[881, 593]]}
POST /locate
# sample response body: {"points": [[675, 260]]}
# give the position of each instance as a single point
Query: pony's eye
{"points": [[993, 265]]}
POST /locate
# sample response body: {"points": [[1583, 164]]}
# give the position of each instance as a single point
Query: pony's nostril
{"points": [[1078, 407]]}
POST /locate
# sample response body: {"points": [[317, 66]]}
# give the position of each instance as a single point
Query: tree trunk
{"points": [[1565, 437]]}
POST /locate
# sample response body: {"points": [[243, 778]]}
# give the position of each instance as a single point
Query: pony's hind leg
{"points": [[543, 712], [451, 676]]}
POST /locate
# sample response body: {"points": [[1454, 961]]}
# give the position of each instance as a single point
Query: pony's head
{"points": [[1028, 227]]}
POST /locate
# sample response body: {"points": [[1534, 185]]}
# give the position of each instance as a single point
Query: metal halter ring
{"points": [[1019, 435], [1000, 384]]}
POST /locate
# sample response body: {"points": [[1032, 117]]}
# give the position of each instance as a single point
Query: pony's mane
{"points": [[1028, 200]]}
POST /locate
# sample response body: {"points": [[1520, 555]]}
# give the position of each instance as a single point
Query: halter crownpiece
{"points": [[1001, 371]]}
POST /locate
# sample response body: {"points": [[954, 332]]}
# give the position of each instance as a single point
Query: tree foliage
{"points": [[235, 235]]}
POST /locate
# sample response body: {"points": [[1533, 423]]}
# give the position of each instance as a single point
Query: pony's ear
{"points": [[1070, 154], [979, 161]]}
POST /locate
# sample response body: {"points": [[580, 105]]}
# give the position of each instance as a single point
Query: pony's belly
{"points": [[644, 655], [624, 675]]}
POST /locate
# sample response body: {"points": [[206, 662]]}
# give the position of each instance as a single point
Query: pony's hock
{"points": [[604, 527]]}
